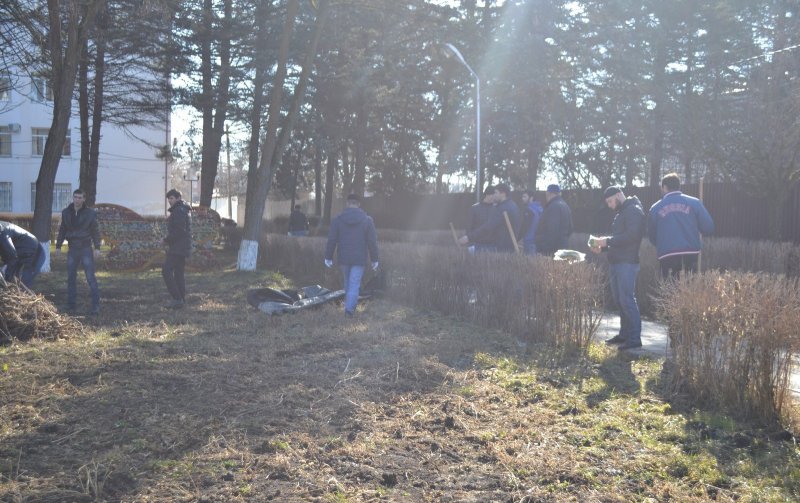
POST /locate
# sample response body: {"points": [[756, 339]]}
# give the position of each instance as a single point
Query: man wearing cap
{"points": [[21, 253], [352, 236], [627, 231], [555, 225], [495, 230], [676, 223]]}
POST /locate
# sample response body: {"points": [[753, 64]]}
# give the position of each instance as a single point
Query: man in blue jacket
{"points": [[531, 213], [79, 228], [627, 231], [676, 223], [479, 214], [352, 236], [22, 254]]}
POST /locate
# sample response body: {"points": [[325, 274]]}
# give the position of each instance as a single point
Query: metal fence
{"points": [[736, 212]]}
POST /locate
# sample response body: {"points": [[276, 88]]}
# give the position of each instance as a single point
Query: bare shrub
{"points": [[732, 337], [532, 298]]}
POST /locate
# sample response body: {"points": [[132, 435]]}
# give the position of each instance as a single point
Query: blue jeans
{"points": [[351, 276], [623, 288], [29, 272], [84, 256]]}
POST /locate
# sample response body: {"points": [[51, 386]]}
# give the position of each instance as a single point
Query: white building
{"points": [[129, 173]]}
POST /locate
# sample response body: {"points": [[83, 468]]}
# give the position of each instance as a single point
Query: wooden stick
{"points": [[511, 231], [455, 235]]}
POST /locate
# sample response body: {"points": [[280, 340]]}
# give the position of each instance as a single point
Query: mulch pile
{"points": [[25, 315]]}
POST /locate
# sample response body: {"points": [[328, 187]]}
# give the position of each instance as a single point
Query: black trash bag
{"points": [[375, 286], [272, 301]]}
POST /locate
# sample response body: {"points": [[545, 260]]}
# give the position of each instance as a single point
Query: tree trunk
{"points": [[219, 106], [64, 65], [274, 142], [317, 182], [330, 171], [259, 179]]}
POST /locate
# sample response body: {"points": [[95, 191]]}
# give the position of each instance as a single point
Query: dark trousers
{"points": [[83, 256], [172, 272], [671, 267]]}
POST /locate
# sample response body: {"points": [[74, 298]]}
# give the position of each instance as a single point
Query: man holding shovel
{"points": [[496, 228]]}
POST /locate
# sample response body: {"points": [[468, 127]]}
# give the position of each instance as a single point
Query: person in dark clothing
{"points": [[479, 214], [627, 232], [531, 214], [79, 228], [495, 229], [675, 225], [555, 225], [22, 254], [353, 237], [179, 248], [298, 222]]}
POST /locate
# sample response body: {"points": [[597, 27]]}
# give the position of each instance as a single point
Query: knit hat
{"points": [[554, 187], [612, 190]]}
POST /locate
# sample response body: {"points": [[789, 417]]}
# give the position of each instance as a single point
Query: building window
{"points": [[41, 90], [62, 196], [5, 141], [39, 138], [5, 196], [5, 88]]}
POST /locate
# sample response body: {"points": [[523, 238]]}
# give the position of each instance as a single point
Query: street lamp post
{"points": [[455, 51], [191, 181]]}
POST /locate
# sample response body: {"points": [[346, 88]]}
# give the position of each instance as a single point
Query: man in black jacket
{"points": [[179, 248], [495, 230], [298, 222], [555, 225], [79, 228], [627, 232], [479, 214], [22, 254]]}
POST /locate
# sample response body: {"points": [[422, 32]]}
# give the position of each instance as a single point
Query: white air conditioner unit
{"points": [[14, 128]]}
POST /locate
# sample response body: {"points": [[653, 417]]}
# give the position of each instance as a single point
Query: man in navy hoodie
{"points": [[21, 253], [495, 230], [676, 222], [352, 236], [627, 231]]}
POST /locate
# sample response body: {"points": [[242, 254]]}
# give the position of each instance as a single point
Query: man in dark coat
{"points": [[298, 222], [479, 214], [495, 229], [627, 232], [179, 248], [555, 226], [79, 228], [22, 254], [353, 237]]}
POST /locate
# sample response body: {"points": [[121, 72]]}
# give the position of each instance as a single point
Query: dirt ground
{"points": [[219, 402]]}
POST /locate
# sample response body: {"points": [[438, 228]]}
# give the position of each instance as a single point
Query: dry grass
{"points": [[734, 336], [531, 298], [25, 315], [221, 403]]}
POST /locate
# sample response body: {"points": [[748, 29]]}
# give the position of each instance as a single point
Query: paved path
{"points": [[655, 343]]}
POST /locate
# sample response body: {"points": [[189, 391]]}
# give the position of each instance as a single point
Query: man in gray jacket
{"points": [[627, 232], [79, 228], [353, 237]]}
